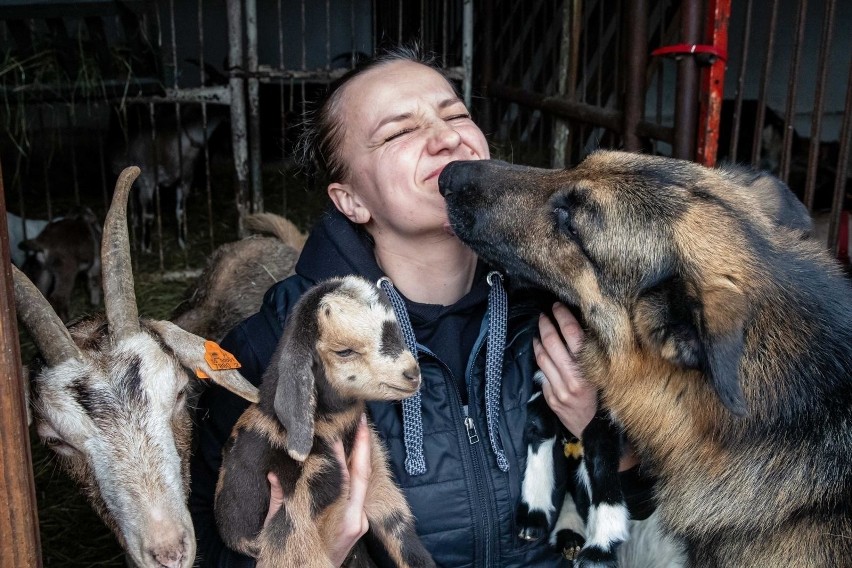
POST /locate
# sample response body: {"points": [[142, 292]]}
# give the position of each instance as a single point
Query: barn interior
{"points": [[549, 81]]}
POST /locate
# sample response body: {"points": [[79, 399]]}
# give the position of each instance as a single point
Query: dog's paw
{"points": [[532, 525], [594, 557]]}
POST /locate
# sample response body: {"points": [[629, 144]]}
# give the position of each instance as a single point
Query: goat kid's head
{"points": [[342, 344], [111, 402]]}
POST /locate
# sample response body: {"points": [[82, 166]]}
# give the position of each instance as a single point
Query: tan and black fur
{"points": [[341, 346], [718, 335]]}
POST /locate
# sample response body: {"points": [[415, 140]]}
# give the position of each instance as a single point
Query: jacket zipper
{"points": [[472, 460]]}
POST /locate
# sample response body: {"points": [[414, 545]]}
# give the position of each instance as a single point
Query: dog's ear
{"points": [[295, 392], [701, 329]]}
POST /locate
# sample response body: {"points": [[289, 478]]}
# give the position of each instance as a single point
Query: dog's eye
{"points": [[564, 221], [345, 353]]}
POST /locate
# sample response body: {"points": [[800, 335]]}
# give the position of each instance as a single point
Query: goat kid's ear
{"points": [[190, 350], [703, 333], [295, 393]]}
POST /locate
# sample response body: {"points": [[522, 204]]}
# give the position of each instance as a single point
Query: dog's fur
{"points": [[341, 346], [721, 340]]}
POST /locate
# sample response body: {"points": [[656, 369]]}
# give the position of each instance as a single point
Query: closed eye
{"points": [[344, 353], [458, 116], [396, 135]]}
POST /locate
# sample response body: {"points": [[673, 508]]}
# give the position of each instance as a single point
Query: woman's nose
{"points": [[443, 137]]}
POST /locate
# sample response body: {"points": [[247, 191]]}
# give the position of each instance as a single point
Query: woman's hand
{"points": [[569, 396], [356, 476]]}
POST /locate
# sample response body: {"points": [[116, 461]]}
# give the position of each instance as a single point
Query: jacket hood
{"points": [[336, 247]]}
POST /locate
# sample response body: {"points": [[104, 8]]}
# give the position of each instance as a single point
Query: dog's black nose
{"points": [[455, 177]]}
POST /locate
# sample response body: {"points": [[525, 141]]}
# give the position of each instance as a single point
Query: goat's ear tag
{"points": [[218, 358]]}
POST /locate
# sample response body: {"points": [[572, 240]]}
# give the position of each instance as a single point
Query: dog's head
{"points": [[342, 343], [658, 253]]}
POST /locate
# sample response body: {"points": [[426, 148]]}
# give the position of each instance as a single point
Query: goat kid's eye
{"points": [[344, 353]]}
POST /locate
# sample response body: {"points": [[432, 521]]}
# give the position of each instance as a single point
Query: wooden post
{"points": [[19, 538]]}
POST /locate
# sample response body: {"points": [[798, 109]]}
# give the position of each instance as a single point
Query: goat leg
{"points": [[391, 521], [607, 522]]}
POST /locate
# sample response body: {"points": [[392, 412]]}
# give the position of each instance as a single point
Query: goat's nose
{"points": [[412, 374]]}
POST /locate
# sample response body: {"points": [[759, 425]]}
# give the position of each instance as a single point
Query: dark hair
{"points": [[322, 130]]}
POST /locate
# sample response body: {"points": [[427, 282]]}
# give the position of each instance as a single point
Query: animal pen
{"points": [[767, 83]]}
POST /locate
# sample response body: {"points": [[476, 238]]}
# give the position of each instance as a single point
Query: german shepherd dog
{"points": [[719, 336]]}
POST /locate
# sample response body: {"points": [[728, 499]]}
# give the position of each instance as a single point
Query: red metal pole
{"points": [[713, 83]]}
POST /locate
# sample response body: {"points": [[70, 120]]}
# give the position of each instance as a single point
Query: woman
{"points": [[383, 135]]}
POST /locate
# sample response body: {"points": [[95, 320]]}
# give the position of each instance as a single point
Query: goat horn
{"points": [[47, 330], [119, 292]]}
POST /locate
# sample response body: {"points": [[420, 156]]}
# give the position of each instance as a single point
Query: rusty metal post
{"points": [[686, 100], [19, 538], [636, 24], [792, 85], [713, 82], [236, 84]]}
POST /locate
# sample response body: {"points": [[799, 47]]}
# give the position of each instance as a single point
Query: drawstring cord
{"points": [[412, 414], [497, 309]]}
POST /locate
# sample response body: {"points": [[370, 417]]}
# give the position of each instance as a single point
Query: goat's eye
{"points": [[564, 221], [345, 353], [59, 446], [181, 397]]}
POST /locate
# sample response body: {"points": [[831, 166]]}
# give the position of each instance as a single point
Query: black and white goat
{"points": [[341, 347], [571, 495], [110, 401]]}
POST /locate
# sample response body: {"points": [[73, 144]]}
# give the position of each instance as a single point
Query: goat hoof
{"points": [[532, 525], [594, 557], [568, 542], [531, 533]]}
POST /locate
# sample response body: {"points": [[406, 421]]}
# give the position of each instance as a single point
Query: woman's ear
{"points": [[348, 203]]}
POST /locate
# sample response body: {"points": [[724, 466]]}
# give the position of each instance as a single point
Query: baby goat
{"points": [[65, 248], [111, 402], [341, 346]]}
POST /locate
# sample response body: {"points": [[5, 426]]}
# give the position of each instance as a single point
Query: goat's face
{"points": [[659, 254], [111, 401], [361, 347], [120, 424]]}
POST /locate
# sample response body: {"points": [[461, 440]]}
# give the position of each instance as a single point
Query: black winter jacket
{"points": [[464, 505]]}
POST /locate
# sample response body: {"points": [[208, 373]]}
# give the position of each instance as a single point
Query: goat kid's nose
{"points": [[412, 374]]}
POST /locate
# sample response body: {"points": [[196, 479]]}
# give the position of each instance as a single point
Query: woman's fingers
{"points": [[569, 326], [276, 496]]}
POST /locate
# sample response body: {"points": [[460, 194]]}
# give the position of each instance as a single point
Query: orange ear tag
{"points": [[218, 359]]}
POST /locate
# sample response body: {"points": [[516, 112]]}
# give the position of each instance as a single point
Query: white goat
{"points": [[111, 402]]}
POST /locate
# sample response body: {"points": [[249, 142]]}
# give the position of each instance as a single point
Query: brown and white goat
{"points": [[237, 275], [341, 346], [64, 249], [168, 161], [111, 402]]}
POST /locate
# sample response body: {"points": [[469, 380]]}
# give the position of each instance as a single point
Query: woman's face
{"points": [[402, 124]]}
